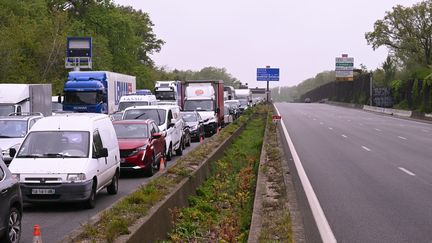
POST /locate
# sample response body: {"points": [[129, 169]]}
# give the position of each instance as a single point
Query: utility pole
{"points": [[268, 87], [371, 88]]}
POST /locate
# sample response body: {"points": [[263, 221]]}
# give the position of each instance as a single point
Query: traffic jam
{"points": [[68, 148]]}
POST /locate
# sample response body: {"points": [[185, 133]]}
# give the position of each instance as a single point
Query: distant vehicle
{"points": [[136, 100], [116, 116], [13, 130], [169, 91], [229, 93], [68, 158], [96, 91], [244, 96], [166, 103], [195, 123], [56, 104], [307, 100], [11, 209], [143, 92], [142, 145], [234, 106], [26, 98], [207, 98], [168, 119], [228, 115]]}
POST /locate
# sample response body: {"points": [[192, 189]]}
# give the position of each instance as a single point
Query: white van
{"points": [[136, 100], [167, 117], [68, 157]]}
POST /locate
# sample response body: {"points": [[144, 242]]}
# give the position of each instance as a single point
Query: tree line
{"points": [[33, 37], [407, 71]]}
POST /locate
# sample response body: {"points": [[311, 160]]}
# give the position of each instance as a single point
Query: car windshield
{"points": [[5, 110], [189, 117], [124, 105], [56, 144], [157, 115], [13, 128], [165, 95], [243, 102], [199, 105], [131, 130]]}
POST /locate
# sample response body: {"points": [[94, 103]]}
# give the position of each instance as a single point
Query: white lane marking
{"points": [[366, 148], [406, 171], [344, 136], [379, 130], [320, 219], [321, 123], [402, 138], [424, 130], [330, 128], [314, 119]]}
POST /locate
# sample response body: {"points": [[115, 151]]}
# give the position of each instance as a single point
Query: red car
{"points": [[141, 145]]}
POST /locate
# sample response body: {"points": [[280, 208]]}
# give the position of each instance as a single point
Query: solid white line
{"points": [[331, 128], [424, 130], [366, 148], [320, 219], [378, 129], [343, 135], [402, 138], [406, 171], [321, 123]]}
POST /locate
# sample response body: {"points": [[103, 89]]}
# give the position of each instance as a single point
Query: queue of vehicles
{"points": [[76, 152]]}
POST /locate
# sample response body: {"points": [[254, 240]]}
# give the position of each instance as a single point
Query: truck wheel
{"points": [[169, 154], [179, 151], [112, 189]]}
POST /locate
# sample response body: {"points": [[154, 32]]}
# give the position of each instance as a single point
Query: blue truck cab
{"points": [[96, 91]]}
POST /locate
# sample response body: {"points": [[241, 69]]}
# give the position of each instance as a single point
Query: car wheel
{"points": [[13, 233], [169, 154], [179, 151], [90, 203], [183, 145], [151, 170], [113, 187], [188, 144]]}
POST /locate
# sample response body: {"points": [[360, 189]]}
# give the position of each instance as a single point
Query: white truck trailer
{"points": [[25, 98]]}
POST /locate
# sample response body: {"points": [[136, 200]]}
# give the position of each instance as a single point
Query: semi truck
{"points": [[207, 98], [25, 98], [96, 91], [169, 91]]}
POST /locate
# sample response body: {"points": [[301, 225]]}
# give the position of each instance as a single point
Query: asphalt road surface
{"points": [[372, 173], [58, 220]]}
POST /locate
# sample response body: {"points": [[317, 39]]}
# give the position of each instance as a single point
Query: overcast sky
{"points": [[301, 37]]}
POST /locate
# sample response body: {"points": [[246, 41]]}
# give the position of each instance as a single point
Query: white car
{"points": [[68, 157], [168, 119]]}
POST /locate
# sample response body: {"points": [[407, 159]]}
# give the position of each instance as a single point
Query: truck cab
{"points": [[169, 91]]}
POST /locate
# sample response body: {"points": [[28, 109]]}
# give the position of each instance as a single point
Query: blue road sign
{"points": [[267, 74]]}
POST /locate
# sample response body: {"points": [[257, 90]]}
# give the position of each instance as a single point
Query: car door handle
{"points": [[4, 191]]}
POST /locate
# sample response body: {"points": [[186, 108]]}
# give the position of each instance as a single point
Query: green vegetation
{"points": [[222, 207], [116, 220], [33, 43]]}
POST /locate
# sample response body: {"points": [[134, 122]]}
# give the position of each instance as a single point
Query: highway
{"points": [[372, 174], [58, 220]]}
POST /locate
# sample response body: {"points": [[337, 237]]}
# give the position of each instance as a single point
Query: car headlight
{"points": [[194, 127], [76, 177], [142, 148], [16, 176]]}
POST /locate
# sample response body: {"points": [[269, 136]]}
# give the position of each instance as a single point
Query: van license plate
{"points": [[43, 191]]}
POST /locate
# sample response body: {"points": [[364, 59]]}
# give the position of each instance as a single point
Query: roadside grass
{"points": [[116, 220], [276, 219], [221, 210]]}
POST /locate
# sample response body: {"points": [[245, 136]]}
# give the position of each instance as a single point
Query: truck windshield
{"points": [[199, 105], [13, 128], [57, 144], [82, 98], [124, 105], [165, 95], [5, 110], [157, 115]]}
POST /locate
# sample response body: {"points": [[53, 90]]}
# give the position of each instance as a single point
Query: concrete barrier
{"points": [[388, 111]]}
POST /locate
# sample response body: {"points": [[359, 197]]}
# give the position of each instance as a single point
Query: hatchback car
{"points": [[13, 129], [11, 206], [142, 146], [195, 123]]}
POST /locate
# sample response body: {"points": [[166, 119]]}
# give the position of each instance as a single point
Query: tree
{"points": [[407, 32]]}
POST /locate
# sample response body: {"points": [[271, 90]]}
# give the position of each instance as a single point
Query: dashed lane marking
{"points": [[406, 171], [366, 148]]}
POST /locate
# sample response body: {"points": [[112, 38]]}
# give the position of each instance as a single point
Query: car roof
{"points": [[152, 107], [133, 121]]}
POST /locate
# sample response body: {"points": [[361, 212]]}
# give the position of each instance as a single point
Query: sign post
{"points": [[268, 74]]}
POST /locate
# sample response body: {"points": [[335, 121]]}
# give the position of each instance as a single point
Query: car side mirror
{"points": [[103, 153], [156, 135], [12, 152]]}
